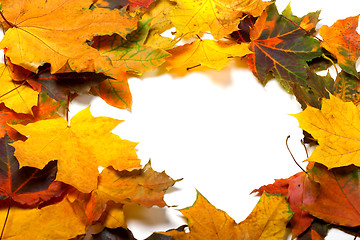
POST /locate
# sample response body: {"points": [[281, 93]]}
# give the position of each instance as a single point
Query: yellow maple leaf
{"points": [[79, 148], [220, 17], [336, 128], [160, 22], [57, 221], [209, 53], [267, 221], [20, 98], [56, 32]]}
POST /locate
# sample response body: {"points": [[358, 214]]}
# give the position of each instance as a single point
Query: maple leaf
{"points": [[117, 233], [160, 22], [45, 109], [27, 186], [335, 127], [220, 17], [8, 116], [209, 53], [130, 54], [283, 48], [112, 4], [140, 3], [302, 190], [243, 34], [342, 40], [18, 97], [299, 190], [317, 231], [114, 92], [280, 186], [316, 88], [268, 220], [219, 226], [145, 187], [85, 145], [60, 85], [338, 200], [347, 87], [57, 221], [38, 33]]}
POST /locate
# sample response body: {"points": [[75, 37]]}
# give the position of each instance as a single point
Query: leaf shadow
{"points": [[154, 216]]}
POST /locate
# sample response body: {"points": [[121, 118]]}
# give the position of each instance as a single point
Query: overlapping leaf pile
{"points": [[56, 50]]}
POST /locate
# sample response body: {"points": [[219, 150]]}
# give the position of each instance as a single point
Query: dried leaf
{"points": [[347, 87], [338, 200], [335, 127], [299, 190], [206, 222], [18, 97], [140, 3], [267, 220], [130, 54], [58, 221], [115, 92], [342, 40], [114, 234], [317, 231], [193, 17], [85, 145], [46, 31], [209, 53], [59, 86], [282, 47], [27, 186], [302, 190]]}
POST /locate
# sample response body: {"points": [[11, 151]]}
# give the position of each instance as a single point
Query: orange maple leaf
{"points": [[56, 32], [338, 201], [79, 148], [342, 40]]}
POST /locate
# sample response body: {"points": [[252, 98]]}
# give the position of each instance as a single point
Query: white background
{"points": [[222, 132]]}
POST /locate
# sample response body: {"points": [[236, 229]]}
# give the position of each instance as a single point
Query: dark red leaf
{"points": [[27, 186]]}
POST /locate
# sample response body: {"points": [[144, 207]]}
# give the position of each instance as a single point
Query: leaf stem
{"points": [[293, 155], [11, 90], [306, 151], [6, 21], [307, 32], [67, 112], [6, 218], [189, 68]]}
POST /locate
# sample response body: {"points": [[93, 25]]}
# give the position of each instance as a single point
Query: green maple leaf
{"points": [[282, 47], [130, 54]]}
